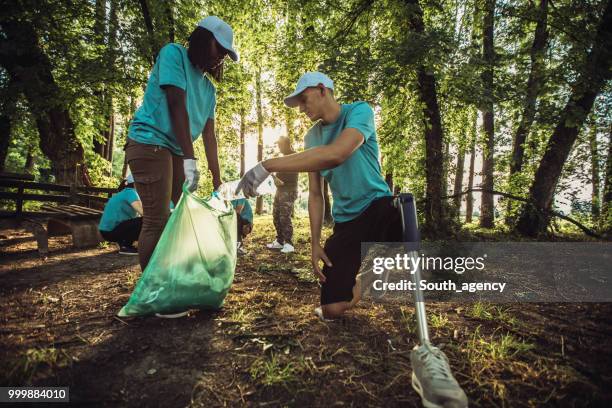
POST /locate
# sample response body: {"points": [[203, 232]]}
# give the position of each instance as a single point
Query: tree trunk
{"points": [[146, 15], [32, 69], [487, 204], [589, 83], [111, 57], [260, 119], [389, 181], [29, 163], [436, 223], [169, 20], [445, 165], [469, 200], [242, 135], [595, 181], [327, 214], [289, 126], [605, 221], [8, 105], [534, 85], [110, 147], [458, 180], [99, 30]]}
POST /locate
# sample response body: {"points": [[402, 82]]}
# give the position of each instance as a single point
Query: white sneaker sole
{"points": [[172, 316], [416, 384]]}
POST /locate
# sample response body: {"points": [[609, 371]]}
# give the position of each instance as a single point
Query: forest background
{"points": [[494, 114]]}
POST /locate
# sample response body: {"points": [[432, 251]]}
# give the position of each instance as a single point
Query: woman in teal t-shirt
{"points": [[121, 221], [178, 106]]}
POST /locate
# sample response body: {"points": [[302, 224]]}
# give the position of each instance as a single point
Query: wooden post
{"points": [[19, 202]]}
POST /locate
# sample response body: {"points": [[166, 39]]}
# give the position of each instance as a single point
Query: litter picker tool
{"points": [[432, 378]]}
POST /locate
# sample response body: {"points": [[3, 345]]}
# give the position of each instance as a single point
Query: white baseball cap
{"points": [[309, 79], [223, 33]]}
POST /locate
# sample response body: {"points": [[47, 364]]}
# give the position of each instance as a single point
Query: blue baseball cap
{"points": [[309, 79], [223, 33]]}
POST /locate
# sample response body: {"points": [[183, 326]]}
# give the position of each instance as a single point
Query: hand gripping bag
{"points": [[193, 263]]}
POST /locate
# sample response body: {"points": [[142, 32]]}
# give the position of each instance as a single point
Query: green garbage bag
{"points": [[193, 263]]}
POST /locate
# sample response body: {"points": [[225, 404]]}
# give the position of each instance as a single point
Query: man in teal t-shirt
{"points": [[245, 220], [341, 147]]}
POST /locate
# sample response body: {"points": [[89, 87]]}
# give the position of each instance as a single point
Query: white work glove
{"points": [[252, 179], [192, 175]]}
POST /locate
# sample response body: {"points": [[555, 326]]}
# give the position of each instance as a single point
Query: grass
{"points": [[438, 321], [494, 349], [242, 316], [35, 359], [271, 371], [408, 319], [486, 311], [132, 277]]}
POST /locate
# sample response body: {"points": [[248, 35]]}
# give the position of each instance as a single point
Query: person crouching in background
{"points": [[122, 218]]}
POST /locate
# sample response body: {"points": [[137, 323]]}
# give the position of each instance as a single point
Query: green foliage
{"points": [[101, 53]]}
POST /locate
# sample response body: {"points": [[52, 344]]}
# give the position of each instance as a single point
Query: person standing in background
{"points": [[284, 200]]}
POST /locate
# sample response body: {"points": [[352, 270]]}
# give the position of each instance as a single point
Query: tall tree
{"points": [[458, 179], [146, 15], [242, 135], [605, 221], [535, 83], [595, 180], [469, 199], [487, 204], [260, 124], [8, 106], [594, 73], [436, 223], [24, 59]]}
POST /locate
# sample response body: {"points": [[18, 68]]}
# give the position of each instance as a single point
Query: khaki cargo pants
{"points": [[158, 177]]}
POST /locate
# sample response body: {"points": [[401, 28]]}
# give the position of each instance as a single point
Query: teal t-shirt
{"points": [[247, 211], [151, 124], [358, 181], [118, 209]]}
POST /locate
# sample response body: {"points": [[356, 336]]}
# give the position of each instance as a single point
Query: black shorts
{"points": [[380, 222]]}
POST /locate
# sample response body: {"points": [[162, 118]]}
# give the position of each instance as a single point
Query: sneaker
{"points": [[128, 250], [274, 245], [242, 251], [432, 378], [287, 248]]}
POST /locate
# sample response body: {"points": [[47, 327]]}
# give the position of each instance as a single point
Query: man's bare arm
{"points": [[320, 157]]}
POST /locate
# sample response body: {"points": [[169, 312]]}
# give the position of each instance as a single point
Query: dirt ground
{"points": [[266, 348]]}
